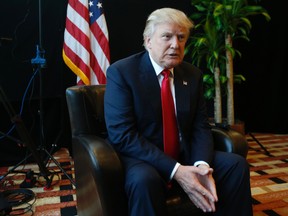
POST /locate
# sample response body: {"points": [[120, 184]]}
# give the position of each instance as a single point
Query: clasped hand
{"points": [[199, 185]]}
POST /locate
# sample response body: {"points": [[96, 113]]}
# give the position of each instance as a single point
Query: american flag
{"points": [[86, 43]]}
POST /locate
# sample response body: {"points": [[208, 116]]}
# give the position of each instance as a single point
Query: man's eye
{"points": [[181, 37], [167, 36]]}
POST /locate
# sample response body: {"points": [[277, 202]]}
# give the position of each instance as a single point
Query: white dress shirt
{"points": [[158, 69]]}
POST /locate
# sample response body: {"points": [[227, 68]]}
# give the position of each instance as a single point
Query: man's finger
{"points": [[202, 202]]}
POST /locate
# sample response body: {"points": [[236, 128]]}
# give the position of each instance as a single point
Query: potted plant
{"points": [[219, 24]]}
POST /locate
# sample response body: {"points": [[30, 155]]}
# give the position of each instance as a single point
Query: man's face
{"points": [[167, 44]]}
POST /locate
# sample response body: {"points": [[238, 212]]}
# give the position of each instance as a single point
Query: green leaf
{"points": [[209, 94], [238, 78]]}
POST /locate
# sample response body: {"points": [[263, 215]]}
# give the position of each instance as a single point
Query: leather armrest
{"points": [[99, 177], [229, 140]]}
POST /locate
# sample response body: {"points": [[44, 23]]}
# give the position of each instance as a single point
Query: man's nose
{"points": [[174, 42]]}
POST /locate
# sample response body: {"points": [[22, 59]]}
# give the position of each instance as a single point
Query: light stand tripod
{"points": [[257, 141], [26, 139], [39, 61]]}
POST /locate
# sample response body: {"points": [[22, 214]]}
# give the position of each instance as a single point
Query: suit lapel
{"points": [[150, 82], [151, 85], [181, 93]]}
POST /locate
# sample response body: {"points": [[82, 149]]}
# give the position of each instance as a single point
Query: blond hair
{"points": [[166, 15]]}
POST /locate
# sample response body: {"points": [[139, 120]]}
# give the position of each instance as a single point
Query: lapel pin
{"points": [[185, 83]]}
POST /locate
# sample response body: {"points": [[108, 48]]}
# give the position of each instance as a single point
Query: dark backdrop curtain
{"points": [[262, 100]]}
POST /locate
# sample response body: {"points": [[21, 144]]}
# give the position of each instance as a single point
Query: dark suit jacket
{"points": [[134, 119]]}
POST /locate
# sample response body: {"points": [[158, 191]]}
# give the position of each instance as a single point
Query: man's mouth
{"points": [[173, 55]]}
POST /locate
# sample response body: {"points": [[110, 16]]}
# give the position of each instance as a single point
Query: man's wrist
{"points": [[174, 170]]}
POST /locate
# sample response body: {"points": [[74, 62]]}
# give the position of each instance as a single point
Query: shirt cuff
{"points": [[197, 163], [174, 170]]}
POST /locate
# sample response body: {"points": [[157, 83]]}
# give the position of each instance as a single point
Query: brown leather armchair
{"points": [[98, 170]]}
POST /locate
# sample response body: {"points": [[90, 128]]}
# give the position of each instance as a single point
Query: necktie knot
{"points": [[166, 73]]}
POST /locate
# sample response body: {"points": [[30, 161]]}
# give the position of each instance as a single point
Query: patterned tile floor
{"points": [[58, 200], [269, 174]]}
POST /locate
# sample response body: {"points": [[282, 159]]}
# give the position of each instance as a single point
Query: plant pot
{"points": [[239, 126]]}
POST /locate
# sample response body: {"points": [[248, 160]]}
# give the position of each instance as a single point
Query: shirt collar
{"points": [[158, 69]]}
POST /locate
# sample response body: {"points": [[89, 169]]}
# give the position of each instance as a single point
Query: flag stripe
{"points": [[102, 39], [86, 43], [77, 54], [101, 47], [71, 63], [76, 8]]}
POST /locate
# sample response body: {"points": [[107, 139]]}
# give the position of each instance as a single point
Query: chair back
{"points": [[86, 110], [98, 171]]}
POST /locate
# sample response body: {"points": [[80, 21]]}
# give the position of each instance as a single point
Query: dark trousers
{"points": [[146, 190]]}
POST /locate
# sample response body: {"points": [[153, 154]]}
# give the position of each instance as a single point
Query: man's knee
{"points": [[144, 181]]}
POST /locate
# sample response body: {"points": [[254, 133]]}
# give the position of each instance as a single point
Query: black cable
{"points": [[18, 197], [21, 107]]}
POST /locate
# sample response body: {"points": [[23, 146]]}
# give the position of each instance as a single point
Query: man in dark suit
{"points": [[133, 114]]}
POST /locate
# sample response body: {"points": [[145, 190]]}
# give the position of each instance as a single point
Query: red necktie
{"points": [[170, 130]]}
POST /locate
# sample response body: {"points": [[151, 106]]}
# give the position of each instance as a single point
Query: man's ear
{"points": [[147, 41]]}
